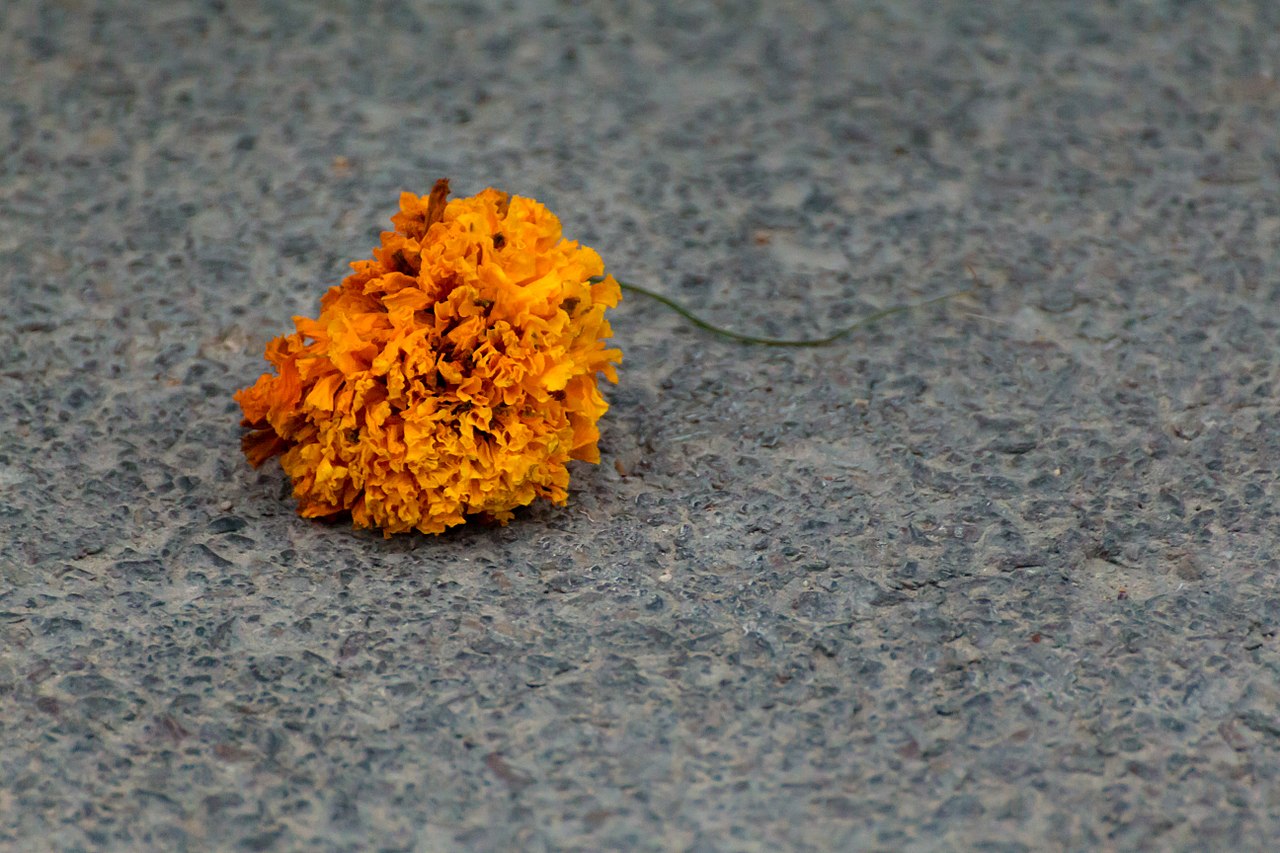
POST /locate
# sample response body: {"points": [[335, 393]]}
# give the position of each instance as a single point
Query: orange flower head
{"points": [[453, 374]]}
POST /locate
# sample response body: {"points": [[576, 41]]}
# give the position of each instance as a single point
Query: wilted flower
{"points": [[453, 374]]}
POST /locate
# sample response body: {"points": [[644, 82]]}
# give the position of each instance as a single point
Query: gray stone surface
{"points": [[999, 574]]}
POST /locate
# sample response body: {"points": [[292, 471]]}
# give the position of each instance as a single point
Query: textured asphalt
{"points": [[995, 574]]}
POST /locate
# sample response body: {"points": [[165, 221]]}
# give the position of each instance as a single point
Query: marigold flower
{"points": [[453, 374]]}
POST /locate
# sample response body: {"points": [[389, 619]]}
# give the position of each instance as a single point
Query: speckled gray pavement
{"points": [[997, 574]]}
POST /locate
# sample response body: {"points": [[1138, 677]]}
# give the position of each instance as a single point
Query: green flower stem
{"points": [[784, 342]]}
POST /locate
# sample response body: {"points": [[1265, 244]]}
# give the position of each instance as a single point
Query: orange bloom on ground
{"points": [[453, 374]]}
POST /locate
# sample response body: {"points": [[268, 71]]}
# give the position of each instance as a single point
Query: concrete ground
{"points": [[996, 574]]}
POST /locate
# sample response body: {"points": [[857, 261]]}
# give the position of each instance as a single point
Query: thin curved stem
{"points": [[786, 342]]}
